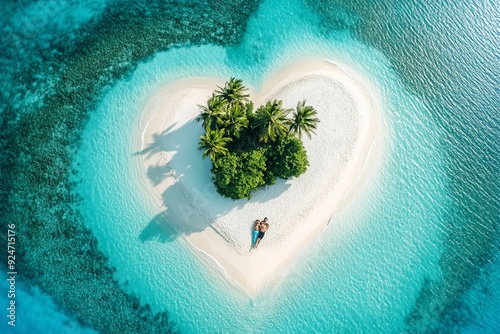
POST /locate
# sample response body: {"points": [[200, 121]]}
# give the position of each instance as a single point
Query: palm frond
{"points": [[304, 120]]}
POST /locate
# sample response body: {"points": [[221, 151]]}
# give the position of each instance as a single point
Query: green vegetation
{"points": [[251, 148]]}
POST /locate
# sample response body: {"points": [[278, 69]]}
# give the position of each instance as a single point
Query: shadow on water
{"points": [[158, 229]]}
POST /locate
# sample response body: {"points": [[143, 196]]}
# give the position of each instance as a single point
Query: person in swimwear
{"points": [[264, 226], [255, 232]]}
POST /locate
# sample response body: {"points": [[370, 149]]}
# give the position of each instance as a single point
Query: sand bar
{"points": [[347, 141]]}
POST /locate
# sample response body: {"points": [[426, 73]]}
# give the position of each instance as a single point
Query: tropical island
{"points": [[248, 148], [343, 157]]}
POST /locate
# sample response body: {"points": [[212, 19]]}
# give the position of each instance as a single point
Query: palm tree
{"points": [[304, 120], [271, 122], [234, 120], [233, 91], [211, 113], [214, 143], [249, 110]]}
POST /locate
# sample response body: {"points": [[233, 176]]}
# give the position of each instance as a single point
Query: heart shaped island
{"points": [[342, 156]]}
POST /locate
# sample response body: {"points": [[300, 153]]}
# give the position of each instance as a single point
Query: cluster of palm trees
{"points": [[230, 122]]}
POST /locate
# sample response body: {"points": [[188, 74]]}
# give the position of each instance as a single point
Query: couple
{"points": [[259, 231]]}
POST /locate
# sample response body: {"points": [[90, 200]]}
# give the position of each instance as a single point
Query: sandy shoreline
{"points": [[348, 138]]}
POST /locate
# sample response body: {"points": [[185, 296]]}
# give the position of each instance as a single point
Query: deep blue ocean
{"points": [[418, 250]]}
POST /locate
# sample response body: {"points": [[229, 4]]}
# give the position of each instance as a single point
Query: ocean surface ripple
{"points": [[418, 251]]}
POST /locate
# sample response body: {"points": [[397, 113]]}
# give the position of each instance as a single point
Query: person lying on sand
{"points": [[264, 226], [255, 232]]}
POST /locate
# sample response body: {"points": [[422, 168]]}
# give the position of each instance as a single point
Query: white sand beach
{"points": [[343, 156]]}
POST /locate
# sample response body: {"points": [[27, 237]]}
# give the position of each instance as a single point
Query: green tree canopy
{"points": [[234, 120], [214, 142], [271, 122], [288, 158], [250, 149], [211, 113], [233, 91], [237, 174], [304, 120]]}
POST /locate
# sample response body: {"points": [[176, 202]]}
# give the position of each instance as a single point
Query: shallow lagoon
{"points": [[380, 247], [385, 262]]}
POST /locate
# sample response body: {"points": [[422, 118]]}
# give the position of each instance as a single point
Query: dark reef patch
{"points": [[46, 98]]}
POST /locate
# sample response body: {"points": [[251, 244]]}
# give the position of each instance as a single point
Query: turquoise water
{"points": [[416, 250], [38, 313]]}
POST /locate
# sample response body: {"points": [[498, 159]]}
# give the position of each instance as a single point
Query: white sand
{"points": [[347, 140]]}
